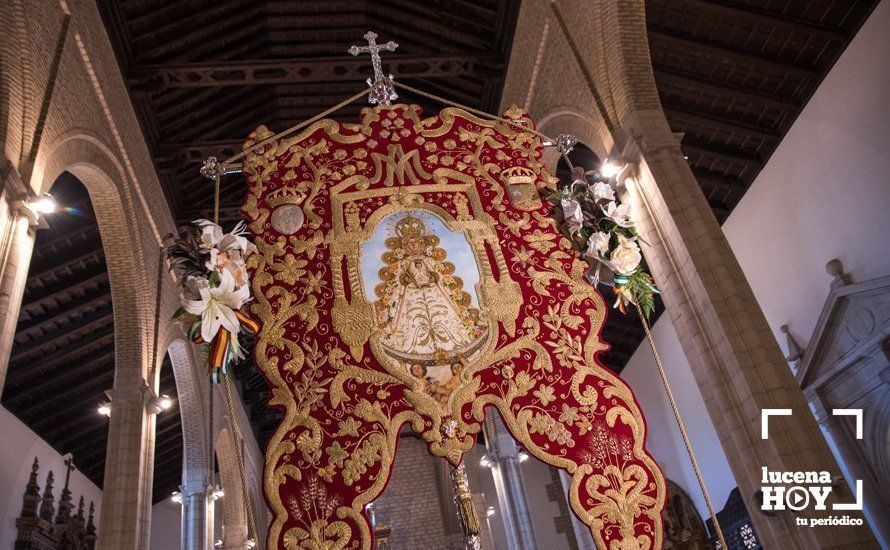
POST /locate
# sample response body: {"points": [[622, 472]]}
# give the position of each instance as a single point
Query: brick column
{"points": [[736, 360], [16, 245], [129, 463], [503, 452]]}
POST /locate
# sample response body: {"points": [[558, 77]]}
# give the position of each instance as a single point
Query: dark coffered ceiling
{"points": [[732, 74]]}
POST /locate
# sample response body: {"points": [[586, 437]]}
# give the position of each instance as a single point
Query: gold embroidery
{"points": [[356, 194]]}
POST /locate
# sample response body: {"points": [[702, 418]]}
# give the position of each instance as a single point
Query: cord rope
{"points": [[514, 123], [239, 455], [670, 394], [299, 126], [227, 383]]}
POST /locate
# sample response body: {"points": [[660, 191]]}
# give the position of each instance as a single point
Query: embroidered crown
{"points": [[410, 227], [284, 195], [518, 174]]}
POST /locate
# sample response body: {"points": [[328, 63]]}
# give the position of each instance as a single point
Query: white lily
{"points": [[573, 215], [217, 306], [620, 214], [602, 190], [597, 246]]}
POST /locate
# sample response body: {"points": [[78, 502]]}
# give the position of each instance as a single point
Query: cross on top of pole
{"points": [[382, 90]]}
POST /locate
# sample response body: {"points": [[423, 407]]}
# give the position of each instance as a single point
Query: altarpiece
{"points": [[409, 272]]}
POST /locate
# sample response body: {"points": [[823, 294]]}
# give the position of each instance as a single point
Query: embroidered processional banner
{"points": [[410, 272]]}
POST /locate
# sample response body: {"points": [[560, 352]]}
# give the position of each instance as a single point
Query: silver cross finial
{"points": [[382, 90]]}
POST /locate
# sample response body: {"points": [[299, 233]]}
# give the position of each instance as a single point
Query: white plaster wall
{"points": [[166, 525], [20, 446], [825, 193]]}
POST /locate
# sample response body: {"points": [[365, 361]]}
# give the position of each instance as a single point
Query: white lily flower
{"points": [[620, 214], [602, 190], [573, 215], [217, 306], [597, 245]]}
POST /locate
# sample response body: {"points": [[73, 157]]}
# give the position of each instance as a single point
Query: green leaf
{"points": [[642, 288]]}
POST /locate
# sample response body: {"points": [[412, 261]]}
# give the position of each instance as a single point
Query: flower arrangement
{"points": [[604, 231], [215, 286]]}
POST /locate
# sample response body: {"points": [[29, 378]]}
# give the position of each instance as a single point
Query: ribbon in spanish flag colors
{"points": [[224, 347]]}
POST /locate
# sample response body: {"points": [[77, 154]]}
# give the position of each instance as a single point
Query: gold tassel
{"points": [[463, 499], [467, 512]]}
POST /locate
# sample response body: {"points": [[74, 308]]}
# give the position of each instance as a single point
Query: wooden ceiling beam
{"points": [[732, 10], [38, 348], [437, 29], [65, 294], [722, 181], [734, 156], [732, 54], [64, 402], [333, 69], [78, 438], [93, 257], [191, 36], [702, 83], [55, 318], [211, 111], [96, 346], [715, 122]]}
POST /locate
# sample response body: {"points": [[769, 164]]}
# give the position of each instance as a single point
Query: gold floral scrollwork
{"points": [[353, 321], [505, 298]]}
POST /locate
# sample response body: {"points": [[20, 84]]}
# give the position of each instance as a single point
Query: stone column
{"points": [[503, 452], [735, 358], [16, 244], [129, 469], [582, 531], [197, 517]]}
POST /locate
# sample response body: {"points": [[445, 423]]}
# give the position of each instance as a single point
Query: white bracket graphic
{"points": [[851, 412], [764, 419], [854, 506]]}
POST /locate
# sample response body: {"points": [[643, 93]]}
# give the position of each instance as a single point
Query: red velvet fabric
{"points": [[343, 406]]}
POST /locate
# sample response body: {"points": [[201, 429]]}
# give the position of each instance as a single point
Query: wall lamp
{"points": [[33, 207], [159, 404]]}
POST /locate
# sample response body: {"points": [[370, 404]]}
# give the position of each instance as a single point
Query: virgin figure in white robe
{"points": [[423, 313]]}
